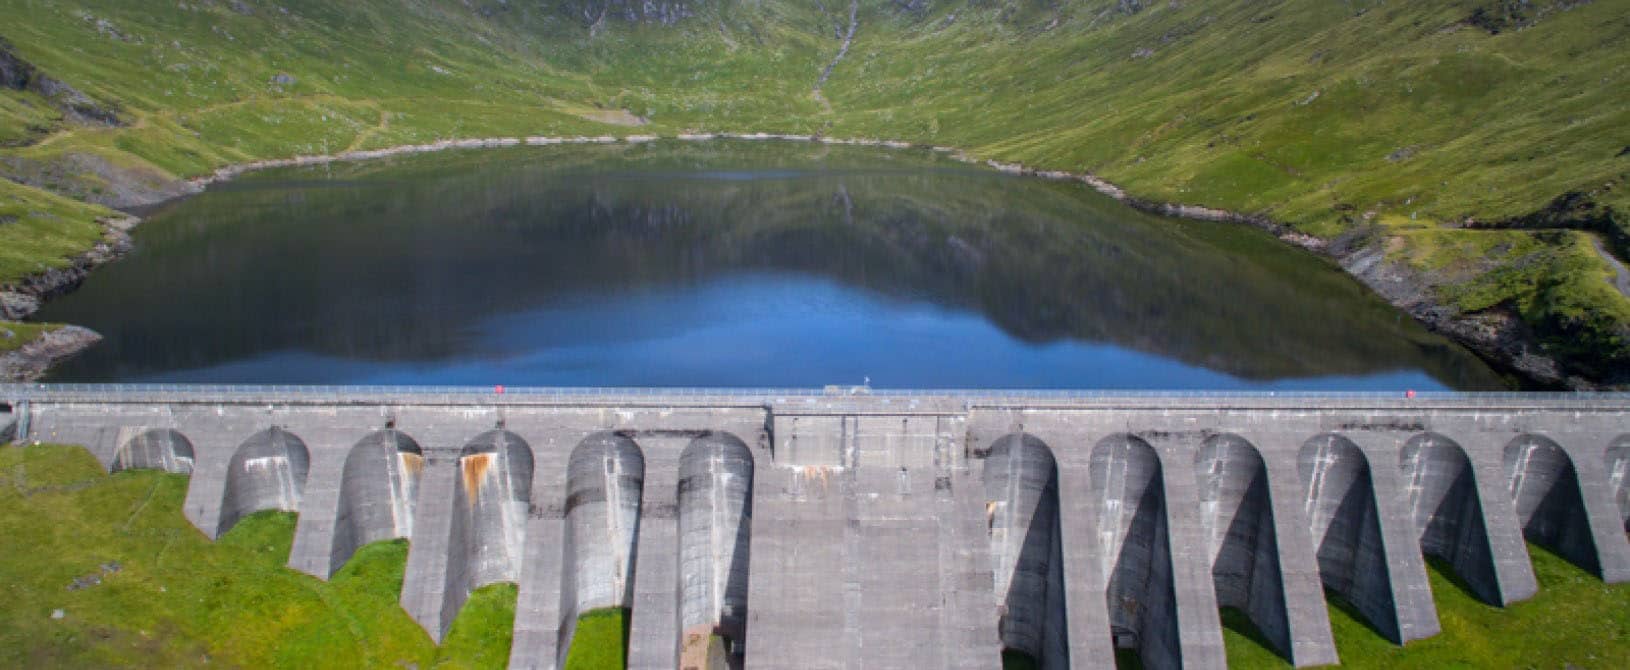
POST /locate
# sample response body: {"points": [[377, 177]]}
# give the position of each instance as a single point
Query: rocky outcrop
{"points": [[29, 362], [94, 179], [594, 13], [1497, 335], [1501, 16], [76, 107]]}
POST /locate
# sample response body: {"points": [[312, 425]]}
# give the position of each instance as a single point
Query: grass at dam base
{"points": [[103, 570]]}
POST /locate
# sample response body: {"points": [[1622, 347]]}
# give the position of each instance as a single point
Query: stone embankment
{"points": [[1500, 338]]}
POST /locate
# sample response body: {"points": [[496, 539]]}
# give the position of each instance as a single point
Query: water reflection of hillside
{"points": [[391, 261]]}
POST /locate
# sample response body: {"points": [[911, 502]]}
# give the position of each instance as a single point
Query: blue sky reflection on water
{"points": [[728, 265], [767, 330]]}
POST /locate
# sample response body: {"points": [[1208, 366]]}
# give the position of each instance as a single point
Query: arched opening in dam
{"points": [[1346, 529], [1022, 514], [378, 490], [831, 264], [268, 471], [155, 449], [1236, 511], [1618, 473], [1447, 510], [490, 504], [715, 523], [1129, 489], [605, 477], [1550, 504]]}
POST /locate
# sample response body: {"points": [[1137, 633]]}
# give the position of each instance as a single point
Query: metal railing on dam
{"points": [[856, 527], [347, 394]]}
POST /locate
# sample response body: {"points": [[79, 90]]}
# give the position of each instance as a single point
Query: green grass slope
{"points": [[1575, 621], [600, 641], [139, 586], [1411, 122]]}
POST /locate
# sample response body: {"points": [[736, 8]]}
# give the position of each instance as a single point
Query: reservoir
{"points": [[725, 264]]}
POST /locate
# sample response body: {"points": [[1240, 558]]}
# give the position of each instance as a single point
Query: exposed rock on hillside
{"points": [[19, 75], [96, 180], [1504, 15], [666, 12]]}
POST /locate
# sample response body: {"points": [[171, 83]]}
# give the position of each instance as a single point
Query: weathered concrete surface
{"points": [[1236, 511], [715, 519], [378, 492], [268, 471], [155, 449], [896, 531], [491, 500], [1446, 509], [1021, 492], [1618, 468], [873, 524]]}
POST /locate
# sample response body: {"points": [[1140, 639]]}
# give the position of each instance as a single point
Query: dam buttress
{"points": [[859, 529]]}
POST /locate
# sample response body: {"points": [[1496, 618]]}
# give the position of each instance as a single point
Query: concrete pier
{"points": [[851, 529]]}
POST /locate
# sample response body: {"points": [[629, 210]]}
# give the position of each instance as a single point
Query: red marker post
{"points": [[499, 389], [1407, 394]]}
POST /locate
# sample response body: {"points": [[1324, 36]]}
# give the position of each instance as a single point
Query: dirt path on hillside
{"points": [[1621, 274]]}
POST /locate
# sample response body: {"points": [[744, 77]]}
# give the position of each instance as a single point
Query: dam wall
{"points": [[860, 529]]}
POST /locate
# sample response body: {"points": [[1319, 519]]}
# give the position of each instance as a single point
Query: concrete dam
{"points": [[858, 529]]}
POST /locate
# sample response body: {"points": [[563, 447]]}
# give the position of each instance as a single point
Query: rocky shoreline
{"points": [[29, 362], [1501, 339], [17, 302]]}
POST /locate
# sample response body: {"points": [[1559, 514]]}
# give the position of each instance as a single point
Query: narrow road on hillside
{"points": [[1621, 274]]}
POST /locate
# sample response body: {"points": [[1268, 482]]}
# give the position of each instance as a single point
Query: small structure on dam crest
{"points": [[895, 530]]}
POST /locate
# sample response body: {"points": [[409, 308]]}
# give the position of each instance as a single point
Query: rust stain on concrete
{"points": [[412, 463], [475, 468]]}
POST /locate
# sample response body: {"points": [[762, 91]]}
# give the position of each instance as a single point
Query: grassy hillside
{"points": [[1575, 621], [137, 585], [1405, 124]]}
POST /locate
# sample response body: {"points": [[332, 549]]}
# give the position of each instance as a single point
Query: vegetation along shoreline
{"points": [[1500, 337]]}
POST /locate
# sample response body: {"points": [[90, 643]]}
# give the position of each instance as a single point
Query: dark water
{"points": [[725, 265]]}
